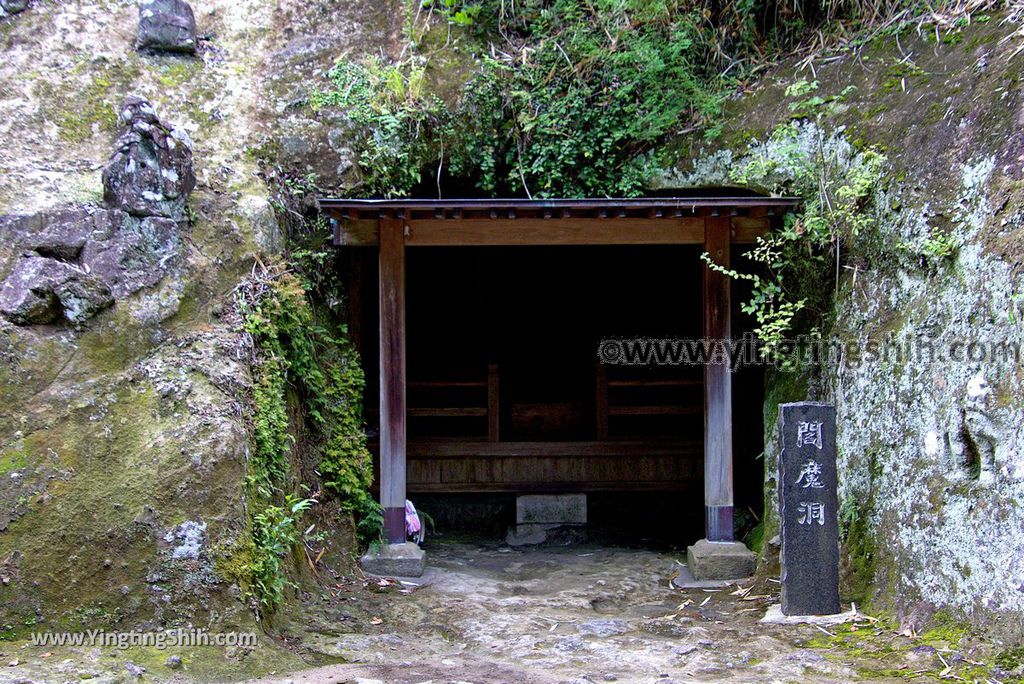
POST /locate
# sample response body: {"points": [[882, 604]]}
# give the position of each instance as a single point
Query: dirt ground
{"points": [[490, 613], [486, 613]]}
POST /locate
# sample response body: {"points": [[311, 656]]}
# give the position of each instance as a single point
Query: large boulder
{"points": [[41, 290], [61, 233], [12, 6], [150, 173], [135, 257], [73, 263], [167, 26]]}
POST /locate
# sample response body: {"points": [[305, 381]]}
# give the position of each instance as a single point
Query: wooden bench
{"points": [[464, 466], [484, 404], [610, 397]]}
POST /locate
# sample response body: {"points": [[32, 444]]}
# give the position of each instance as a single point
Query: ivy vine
{"points": [[792, 266], [294, 353]]}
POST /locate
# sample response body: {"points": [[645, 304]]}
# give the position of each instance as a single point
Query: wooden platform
{"points": [[451, 466]]}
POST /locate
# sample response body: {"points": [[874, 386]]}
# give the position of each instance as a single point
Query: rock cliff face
{"points": [[125, 383], [75, 262], [125, 225], [930, 418]]}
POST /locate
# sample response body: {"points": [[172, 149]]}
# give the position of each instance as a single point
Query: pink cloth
{"points": [[412, 520]]}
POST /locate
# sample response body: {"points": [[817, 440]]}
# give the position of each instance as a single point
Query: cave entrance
{"points": [[503, 330]]}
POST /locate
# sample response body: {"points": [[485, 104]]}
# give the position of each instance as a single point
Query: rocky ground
{"points": [[485, 612]]}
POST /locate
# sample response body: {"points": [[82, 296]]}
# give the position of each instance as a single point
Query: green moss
{"points": [[234, 563], [876, 650], [1010, 659], [120, 470], [897, 75], [297, 354], [945, 631], [875, 110], [98, 88], [858, 543], [112, 347], [782, 387], [12, 460], [216, 664], [175, 72]]}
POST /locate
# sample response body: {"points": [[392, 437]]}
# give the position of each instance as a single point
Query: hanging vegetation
{"points": [[294, 353], [569, 98]]}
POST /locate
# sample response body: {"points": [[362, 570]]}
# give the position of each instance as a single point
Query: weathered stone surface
{"points": [[42, 290], [320, 147], [931, 466], [12, 6], [808, 509], [57, 234], [167, 26], [604, 627], [116, 434], [394, 560], [551, 508], [150, 173], [135, 257], [77, 261], [28, 295], [720, 560]]}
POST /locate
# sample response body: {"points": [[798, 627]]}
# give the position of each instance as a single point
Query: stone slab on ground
{"points": [[551, 508], [528, 534], [683, 579], [775, 616], [720, 560], [394, 560]]}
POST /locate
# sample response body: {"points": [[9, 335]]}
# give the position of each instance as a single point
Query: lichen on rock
{"points": [[40, 290], [150, 172], [930, 443]]}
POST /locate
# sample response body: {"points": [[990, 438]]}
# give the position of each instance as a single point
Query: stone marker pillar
{"points": [[808, 509]]}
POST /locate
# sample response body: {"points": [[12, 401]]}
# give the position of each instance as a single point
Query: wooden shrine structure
{"points": [[487, 462]]}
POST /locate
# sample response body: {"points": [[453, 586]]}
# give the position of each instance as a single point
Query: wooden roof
{"points": [[642, 220], [368, 208]]}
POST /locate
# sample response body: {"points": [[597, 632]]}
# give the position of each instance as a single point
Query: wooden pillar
{"points": [[601, 401], [355, 297], [493, 405], [718, 489], [392, 378]]}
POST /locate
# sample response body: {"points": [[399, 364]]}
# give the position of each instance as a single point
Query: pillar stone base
{"points": [[394, 560], [720, 560]]}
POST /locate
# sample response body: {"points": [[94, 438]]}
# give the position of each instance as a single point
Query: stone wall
{"points": [[930, 450]]}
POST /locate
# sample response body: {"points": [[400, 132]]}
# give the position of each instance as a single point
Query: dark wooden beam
{"points": [[392, 378], [571, 231], [601, 401], [558, 486], [718, 486], [746, 230], [476, 448], [356, 232], [356, 207], [500, 231]]}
